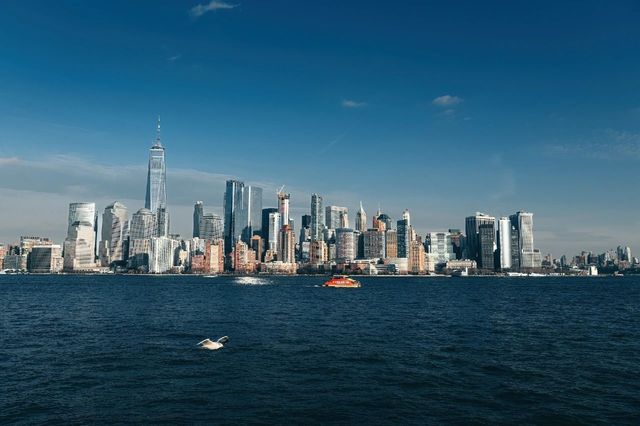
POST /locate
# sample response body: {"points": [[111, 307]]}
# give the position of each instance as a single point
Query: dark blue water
{"points": [[115, 349]]}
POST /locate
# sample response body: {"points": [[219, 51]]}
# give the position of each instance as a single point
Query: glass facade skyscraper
{"points": [[317, 218], [198, 212], [156, 177], [115, 230], [242, 213]]}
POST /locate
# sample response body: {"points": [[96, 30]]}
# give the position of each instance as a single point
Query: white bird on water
{"points": [[211, 345]]}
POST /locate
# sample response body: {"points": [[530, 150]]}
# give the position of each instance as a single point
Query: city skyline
{"points": [[394, 99]]}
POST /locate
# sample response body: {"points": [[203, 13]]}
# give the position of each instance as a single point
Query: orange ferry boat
{"points": [[342, 281]]}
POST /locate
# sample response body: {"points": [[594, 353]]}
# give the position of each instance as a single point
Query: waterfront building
{"points": [[345, 245], [274, 231], [143, 225], [386, 220], [472, 228], [361, 219], [283, 206], [214, 257], [162, 254], [416, 258], [390, 243], [404, 235], [198, 212], [80, 244], [529, 257], [156, 196], [318, 252], [243, 258], [266, 225], [487, 242], [336, 217], [210, 227], [3, 253], [457, 240], [440, 249], [45, 259], [317, 218], [242, 212], [374, 245], [504, 243], [286, 245], [115, 231]]}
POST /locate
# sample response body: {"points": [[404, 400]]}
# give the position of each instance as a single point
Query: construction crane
{"points": [[280, 190]]}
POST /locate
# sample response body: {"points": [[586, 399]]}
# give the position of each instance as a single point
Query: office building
{"points": [[361, 219], [317, 218], [472, 228], [45, 259], [115, 231], [345, 245], [283, 206], [336, 217], [504, 243], [486, 243], [156, 196], [198, 212], [210, 227], [374, 245]]}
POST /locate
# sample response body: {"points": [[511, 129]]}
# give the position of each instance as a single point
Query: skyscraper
{"points": [[504, 243], [211, 227], [374, 245], [242, 213], [274, 229], [345, 245], [317, 218], [286, 245], [156, 177], [115, 230], [361, 219], [80, 244], [336, 217], [486, 243], [283, 206], [529, 256], [404, 237], [472, 225], [198, 212]]}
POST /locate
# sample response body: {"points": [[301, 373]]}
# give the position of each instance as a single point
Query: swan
{"points": [[211, 345]]}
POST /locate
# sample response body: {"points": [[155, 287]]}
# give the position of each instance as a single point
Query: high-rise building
{"points": [[45, 259], [373, 244], [529, 256], [306, 221], [143, 225], [457, 240], [504, 243], [319, 252], [80, 244], [274, 231], [317, 218], [336, 217], [406, 216], [391, 243], [472, 227], [156, 176], [361, 219], [198, 212], [283, 206], [404, 236], [162, 254], [438, 244], [286, 245], [486, 243], [242, 212], [345, 245], [115, 230], [210, 227], [416, 257], [266, 231]]}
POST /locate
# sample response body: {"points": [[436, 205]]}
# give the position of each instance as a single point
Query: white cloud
{"points": [[200, 9], [604, 145], [350, 103], [174, 58], [5, 161], [447, 101]]}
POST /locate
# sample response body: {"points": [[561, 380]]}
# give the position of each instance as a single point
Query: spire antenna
{"points": [[158, 132]]}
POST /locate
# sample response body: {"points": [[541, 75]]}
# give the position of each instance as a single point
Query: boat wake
{"points": [[251, 281]]}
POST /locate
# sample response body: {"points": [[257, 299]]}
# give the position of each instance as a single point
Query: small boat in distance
{"points": [[342, 281]]}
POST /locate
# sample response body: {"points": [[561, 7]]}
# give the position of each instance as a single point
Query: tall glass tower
{"points": [[156, 177], [317, 218]]}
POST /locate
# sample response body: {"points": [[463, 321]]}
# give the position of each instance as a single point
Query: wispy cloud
{"points": [[174, 58], [604, 145], [350, 103], [6, 161], [447, 101], [200, 9]]}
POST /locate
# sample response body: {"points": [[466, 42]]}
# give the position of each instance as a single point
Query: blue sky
{"points": [[444, 108]]}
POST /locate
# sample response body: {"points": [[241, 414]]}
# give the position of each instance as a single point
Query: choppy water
{"points": [[116, 349]]}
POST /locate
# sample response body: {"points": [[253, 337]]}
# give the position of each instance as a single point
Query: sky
{"points": [[443, 108]]}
